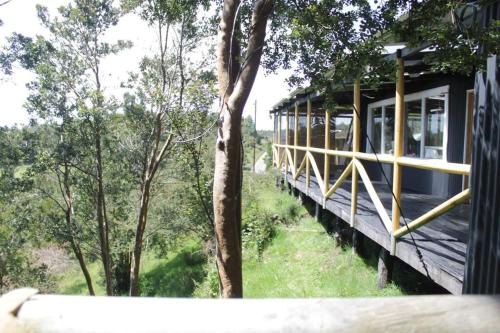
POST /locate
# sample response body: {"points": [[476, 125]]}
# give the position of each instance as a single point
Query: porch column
{"points": [[355, 147], [287, 142], [279, 141], [295, 138], [326, 173], [308, 144], [398, 147]]}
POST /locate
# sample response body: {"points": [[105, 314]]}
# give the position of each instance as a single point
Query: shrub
{"points": [[259, 229]]}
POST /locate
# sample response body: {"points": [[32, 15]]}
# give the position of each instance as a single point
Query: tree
{"points": [[165, 101], [325, 41], [236, 75], [69, 91]]}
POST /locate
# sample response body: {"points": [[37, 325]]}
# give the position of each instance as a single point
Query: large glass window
{"points": [[340, 126], [424, 124]]}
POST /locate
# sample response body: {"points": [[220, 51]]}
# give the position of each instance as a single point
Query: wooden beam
{"points": [[398, 143], [308, 143], [279, 139], [319, 179], [301, 167], [355, 147], [382, 213], [438, 313], [287, 140], [434, 213], [340, 180], [425, 164], [435, 165], [290, 160], [326, 173], [295, 135]]}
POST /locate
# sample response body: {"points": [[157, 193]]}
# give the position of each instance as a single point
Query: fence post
{"points": [[355, 147], [398, 147], [308, 145]]}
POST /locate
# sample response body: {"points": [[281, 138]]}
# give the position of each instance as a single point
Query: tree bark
{"points": [[101, 213], [69, 221], [235, 84], [141, 226]]}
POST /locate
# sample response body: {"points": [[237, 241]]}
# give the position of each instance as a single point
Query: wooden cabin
{"points": [[388, 161]]}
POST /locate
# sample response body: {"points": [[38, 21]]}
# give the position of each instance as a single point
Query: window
{"points": [[425, 124], [340, 127]]}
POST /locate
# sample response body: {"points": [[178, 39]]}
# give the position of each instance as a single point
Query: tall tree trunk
{"points": [[69, 221], [235, 83], [157, 155], [81, 261], [101, 215], [139, 234]]}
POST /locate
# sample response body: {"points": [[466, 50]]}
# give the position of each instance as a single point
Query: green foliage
{"points": [[259, 229], [209, 287], [176, 277]]}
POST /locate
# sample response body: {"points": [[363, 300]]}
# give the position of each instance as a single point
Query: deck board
{"points": [[442, 242]]}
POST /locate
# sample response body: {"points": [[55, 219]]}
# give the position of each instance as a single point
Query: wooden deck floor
{"points": [[442, 242]]}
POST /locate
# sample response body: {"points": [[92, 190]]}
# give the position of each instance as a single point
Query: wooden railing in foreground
{"points": [[54, 313], [284, 158]]}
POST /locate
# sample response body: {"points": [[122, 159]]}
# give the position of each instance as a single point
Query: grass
{"points": [[303, 261], [176, 275], [73, 283]]}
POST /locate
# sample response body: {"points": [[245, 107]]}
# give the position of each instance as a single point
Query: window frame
{"points": [[420, 95]]}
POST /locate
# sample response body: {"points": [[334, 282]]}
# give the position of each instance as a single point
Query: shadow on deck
{"points": [[442, 242]]}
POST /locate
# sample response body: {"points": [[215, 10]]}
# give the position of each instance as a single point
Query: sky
{"points": [[20, 16]]}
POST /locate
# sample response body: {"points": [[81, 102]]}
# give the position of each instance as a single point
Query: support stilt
{"points": [[384, 268]]}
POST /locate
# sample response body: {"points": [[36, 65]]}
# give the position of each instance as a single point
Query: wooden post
{"points": [[318, 212], [355, 147], [287, 141], [279, 140], [295, 138], [326, 173], [308, 144], [357, 242], [384, 268], [398, 147]]}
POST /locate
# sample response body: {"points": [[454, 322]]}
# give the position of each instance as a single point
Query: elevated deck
{"points": [[442, 242]]}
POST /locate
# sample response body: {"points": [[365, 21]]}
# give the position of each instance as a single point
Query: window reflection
{"points": [[377, 129], [413, 128], [389, 129], [434, 130]]}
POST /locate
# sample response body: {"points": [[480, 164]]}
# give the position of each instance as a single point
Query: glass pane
{"points": [[389, 130], [434, 115], [413, 129], [377, 129], [339, 132]]}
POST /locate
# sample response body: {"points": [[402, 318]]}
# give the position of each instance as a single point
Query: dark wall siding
{"points": [[425, 181]]}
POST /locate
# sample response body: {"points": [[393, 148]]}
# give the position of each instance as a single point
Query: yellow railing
{"points": [[285, 157]]}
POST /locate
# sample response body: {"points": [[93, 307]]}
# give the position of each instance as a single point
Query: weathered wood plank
{"points": [[52, 313]]}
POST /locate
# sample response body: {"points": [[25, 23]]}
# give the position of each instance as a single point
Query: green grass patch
{"points": [[303, 261], [175, 275]]}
